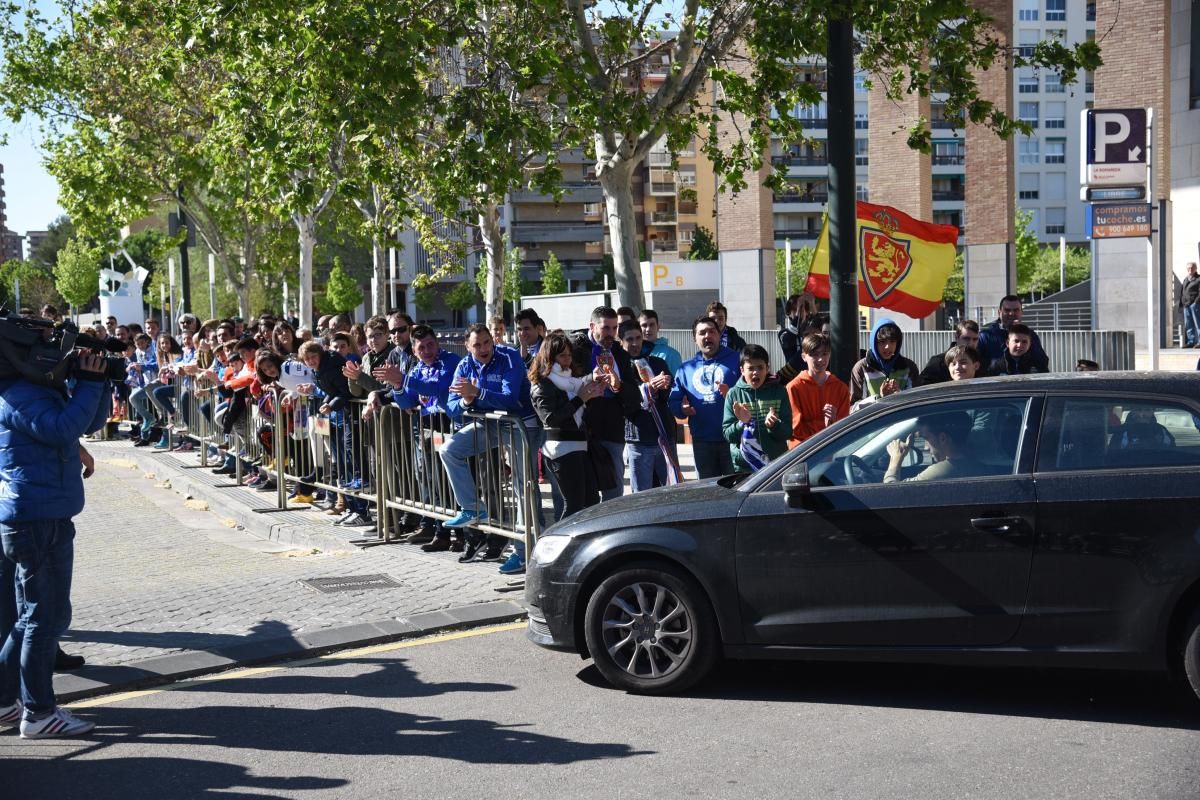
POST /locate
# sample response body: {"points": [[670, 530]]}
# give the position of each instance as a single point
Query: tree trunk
{"points": [[494, 259], [249, 263], [379, 295], [306, 225], [616, 183]]}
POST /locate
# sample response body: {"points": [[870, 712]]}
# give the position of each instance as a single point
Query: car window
{"points": [[936, 441], [1115, 433]]}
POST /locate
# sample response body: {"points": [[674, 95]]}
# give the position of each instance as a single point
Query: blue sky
{"points": [[30, 193]]}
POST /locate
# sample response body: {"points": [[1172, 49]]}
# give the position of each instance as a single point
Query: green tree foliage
{"points": [[1044, 278], [801, 263], [77, 272], [955, 285], [704, 247], [424, 298], [342, 292], [462, 296], [553, 280], [1027, 248]]}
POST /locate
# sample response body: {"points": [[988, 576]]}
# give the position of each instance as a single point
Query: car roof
{"points": [[1177, 383]]}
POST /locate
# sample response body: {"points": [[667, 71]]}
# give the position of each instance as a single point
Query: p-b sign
{"points": [[680, 276]]}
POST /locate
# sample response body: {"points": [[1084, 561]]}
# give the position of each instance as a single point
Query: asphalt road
{"points": [[485, 714]]}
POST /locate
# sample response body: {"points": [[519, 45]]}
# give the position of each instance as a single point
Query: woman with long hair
{"points": [[559, 392], [284, 341]]}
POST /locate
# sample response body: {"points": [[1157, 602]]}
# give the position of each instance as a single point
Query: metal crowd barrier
{"points": [[389, 462]]}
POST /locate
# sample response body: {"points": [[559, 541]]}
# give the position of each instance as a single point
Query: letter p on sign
{"points": [[660, 273]]}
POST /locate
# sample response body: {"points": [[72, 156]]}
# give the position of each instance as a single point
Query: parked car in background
{"points": [[1060, 527]]}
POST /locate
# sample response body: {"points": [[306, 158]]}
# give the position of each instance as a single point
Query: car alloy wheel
{"points": [[650, 630], [1191, 653]]}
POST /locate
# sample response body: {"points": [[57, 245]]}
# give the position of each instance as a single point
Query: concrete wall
{"points": [[680, 309], [748, 286], [1185, 146]]}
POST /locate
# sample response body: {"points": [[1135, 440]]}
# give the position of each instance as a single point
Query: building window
{"points": [[860, 152], [1054, 84], [1027, 82], [1028, 113], [1195, 56], [1027, 186], [1027, 150], [860, 115], [1056, 10], [1056, 115], [1056, 151], [860, 82], [1056, 221], [1027, 11], [591, 209], [860, 192], [1055, 187]]}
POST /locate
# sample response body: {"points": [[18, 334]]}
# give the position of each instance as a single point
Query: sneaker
{"points": [[465, 519], [60, 723], [344, 516], [302, 499], [515, 565], [10, 716], [255, 479], [355, 520], [268, 485], [161, 444]]}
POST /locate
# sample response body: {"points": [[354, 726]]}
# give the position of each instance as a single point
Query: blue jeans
{"points": [[1191, 323], [474, 439], [38, 559], [139, 399], [163, 396], [646, 462], [616, 451], [712, 459]]}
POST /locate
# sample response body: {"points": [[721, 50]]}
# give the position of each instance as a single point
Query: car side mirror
{"points": [[796, 486]]}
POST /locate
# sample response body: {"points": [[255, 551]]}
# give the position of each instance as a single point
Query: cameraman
{"points": [[42, 467]]}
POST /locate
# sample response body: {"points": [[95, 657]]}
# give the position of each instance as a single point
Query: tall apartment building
{"points": [[35, 238], [1047, 161]]}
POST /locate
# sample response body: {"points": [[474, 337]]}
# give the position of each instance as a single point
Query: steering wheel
{"points": [[857, 470]]}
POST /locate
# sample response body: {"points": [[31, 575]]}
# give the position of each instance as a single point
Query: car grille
{"points": [[539, 626]]}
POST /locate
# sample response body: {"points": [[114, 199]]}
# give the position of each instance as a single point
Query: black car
{"points": [[1059, 526]]}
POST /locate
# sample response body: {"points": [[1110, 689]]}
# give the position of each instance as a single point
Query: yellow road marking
{"points": [[341, 655]]}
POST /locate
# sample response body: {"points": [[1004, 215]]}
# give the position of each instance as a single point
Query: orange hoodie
{"points": [[808, 400]]}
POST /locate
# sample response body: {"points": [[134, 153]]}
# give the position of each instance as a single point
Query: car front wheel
{"points": [[1191, 653], [650, 630]]}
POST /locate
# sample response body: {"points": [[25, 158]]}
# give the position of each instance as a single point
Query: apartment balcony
{"points": [[664, 246], [947, 163], [814, 198], [950, 195], [538, 232], [658, 159], [663, 188], [814, 122], [662, 218], [798, 234], [943, 124], [1091, 12], [800, 161], [573, 192]]}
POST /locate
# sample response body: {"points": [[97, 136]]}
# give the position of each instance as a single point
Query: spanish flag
{"points": [[903, 263]]}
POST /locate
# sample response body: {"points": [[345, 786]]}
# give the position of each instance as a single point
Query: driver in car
{"points": [[945, 434]]}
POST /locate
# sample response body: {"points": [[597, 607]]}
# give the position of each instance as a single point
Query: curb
{"points": [[100, 680]]}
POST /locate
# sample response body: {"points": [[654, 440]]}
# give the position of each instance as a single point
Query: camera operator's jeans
{"points": [[39, 557]]}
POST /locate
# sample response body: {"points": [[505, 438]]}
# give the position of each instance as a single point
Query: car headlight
{"points": [[548, 548]]}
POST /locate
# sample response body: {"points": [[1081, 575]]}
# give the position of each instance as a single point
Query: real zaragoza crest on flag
{"points": [[903, 263]]}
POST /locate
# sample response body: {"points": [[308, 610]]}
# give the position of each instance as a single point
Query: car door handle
{"points": [[1000, 524]]}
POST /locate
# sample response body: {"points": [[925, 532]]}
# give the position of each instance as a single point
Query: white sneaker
{"points": [[60, 723], [10, 716]]}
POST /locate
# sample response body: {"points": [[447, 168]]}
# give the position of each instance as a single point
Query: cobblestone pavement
{"points": [[154, 576]]}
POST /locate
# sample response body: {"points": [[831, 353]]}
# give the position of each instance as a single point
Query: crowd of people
{"points": [[599, 407]]}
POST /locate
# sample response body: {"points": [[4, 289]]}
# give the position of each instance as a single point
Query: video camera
{"points": [[46, 352]]}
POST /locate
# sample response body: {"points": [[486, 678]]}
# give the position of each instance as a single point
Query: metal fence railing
{"points": [[387, 463]]}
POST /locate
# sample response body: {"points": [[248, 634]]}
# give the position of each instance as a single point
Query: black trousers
{"points": [[577, 478]]}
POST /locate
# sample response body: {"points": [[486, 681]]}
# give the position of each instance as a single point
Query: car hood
{"points": [[704, 499]]}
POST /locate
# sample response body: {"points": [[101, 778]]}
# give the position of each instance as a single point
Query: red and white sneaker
{"points": [[60, 723]]}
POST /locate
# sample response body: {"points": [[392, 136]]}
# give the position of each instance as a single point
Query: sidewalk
{"points": [[176, 575]]}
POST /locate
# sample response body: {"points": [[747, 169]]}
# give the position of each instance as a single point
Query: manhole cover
{"points": [[351, 583]]}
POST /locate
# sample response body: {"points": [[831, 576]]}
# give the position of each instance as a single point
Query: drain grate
{"points": [[351, 583]]}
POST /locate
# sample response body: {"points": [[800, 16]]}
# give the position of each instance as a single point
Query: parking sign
{"points": [[1115, 151]]}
